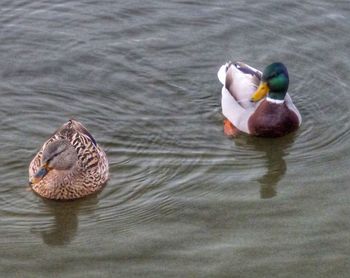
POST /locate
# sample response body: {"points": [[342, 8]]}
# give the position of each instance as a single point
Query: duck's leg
{"points": [[230, 129]]}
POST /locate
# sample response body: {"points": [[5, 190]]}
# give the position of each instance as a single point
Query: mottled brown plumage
{"points": [[69, 165]]}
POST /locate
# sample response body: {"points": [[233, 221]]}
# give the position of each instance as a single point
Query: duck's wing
{"points": [[92, 156], [73, 131], [234, 111], [292, 107], [89, 153], [83, 131], [240, 80]]}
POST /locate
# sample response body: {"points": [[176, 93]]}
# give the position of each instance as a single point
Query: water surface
{"points": [[183, 200]]}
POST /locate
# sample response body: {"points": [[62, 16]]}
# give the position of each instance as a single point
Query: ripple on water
{"points": [[325, 127], [143, 81]]}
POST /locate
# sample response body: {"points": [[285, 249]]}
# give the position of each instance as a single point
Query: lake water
{"points": [[183, 200]]}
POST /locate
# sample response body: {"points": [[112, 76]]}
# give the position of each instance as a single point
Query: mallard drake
{"points": [[69, 165], [257, 103]]}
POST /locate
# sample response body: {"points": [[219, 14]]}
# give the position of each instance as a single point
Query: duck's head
{"points": [[274, 83], [57, 155]]}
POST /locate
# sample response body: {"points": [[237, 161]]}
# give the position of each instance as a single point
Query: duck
{"points": [[257, 103], [69, 165]]}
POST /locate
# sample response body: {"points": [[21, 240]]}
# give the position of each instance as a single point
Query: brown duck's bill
{"points": [[39, 175], [261, 92]]}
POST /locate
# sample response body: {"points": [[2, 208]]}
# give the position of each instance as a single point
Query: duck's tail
{"points": [[222, 73]]}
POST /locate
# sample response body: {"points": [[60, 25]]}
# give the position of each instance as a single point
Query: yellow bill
{"points": [[261, 92]]}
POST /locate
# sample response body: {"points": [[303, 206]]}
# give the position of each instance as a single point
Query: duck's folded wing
{"points": [[292, 107], [234, 112], [222, 74], [240, 80]]}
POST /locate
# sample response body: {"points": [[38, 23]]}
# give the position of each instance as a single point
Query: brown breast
{"points": [[272, 120]]}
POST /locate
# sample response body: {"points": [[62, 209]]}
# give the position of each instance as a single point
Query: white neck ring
{"points": [[276, 101]]}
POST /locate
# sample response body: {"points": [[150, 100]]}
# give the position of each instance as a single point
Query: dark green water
{"points": [[183, 200]]}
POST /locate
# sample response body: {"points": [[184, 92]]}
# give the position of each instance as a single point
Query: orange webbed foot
{"points": [[230, 129]]}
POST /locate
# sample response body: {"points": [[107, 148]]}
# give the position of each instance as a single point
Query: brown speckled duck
{"points": [[257, 103], [69, 165]]}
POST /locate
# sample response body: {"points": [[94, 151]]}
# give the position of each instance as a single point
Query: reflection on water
{"points": [[276, 168], [65, 220], [274, 151], [141, 75], [276, 165]]}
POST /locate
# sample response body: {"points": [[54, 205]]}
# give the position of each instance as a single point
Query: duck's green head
{"points": [[274, 83]]}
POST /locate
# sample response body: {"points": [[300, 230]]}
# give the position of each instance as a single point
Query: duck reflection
{"points": [[276, 169], [275, 150], [65, 220]]}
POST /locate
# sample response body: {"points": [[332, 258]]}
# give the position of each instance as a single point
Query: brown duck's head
{"points": [[58, 155]]}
